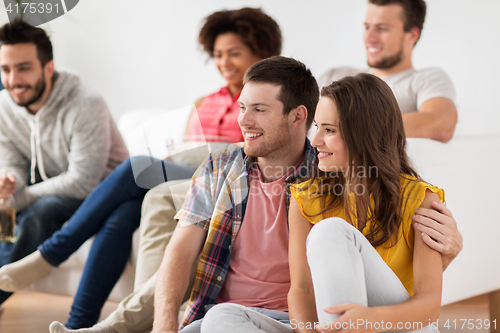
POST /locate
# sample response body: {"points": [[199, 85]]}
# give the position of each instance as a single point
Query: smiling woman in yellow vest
{"points": [[354, 256]]}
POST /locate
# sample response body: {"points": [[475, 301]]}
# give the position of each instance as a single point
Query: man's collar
{"points": [[307, 166]]}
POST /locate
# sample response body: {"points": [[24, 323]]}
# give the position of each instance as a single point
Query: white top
{"points": [[411, 87]]}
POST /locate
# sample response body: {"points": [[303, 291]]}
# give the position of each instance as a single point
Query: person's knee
{"points": [[45, 204], [325, 228], [40, 210], [326, 231], [124, 170], [223, 314]]}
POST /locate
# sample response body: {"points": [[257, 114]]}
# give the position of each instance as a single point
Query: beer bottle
{"points": [[7, 220]]}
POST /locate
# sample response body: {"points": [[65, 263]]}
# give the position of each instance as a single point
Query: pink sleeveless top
{"points": [[218, 116]]}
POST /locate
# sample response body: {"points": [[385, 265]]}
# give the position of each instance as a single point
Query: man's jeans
{"points": [[112, 213], [34, 225]]}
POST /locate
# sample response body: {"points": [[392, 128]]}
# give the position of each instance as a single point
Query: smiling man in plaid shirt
{"points": [[235, 218]]}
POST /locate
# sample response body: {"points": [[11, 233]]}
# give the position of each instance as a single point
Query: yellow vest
{"points": [[398, 257]]}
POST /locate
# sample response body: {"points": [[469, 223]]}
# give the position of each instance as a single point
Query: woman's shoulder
{"points": [[413, 192], [308, 195], [413, 185], [307, 187]]}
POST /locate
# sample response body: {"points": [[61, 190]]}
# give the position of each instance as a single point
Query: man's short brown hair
{"points": [[18, 31], [413, 12], [298, 85]]}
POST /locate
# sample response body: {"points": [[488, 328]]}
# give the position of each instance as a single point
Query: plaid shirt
{"points": [[216, 202]]}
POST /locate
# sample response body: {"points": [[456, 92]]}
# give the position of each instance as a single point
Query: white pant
{"points": [[346, 268], [235, 318]]}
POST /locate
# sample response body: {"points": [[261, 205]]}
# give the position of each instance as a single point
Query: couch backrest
{"points": [[148, 131]]}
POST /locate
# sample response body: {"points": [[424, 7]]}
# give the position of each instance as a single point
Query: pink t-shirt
{"points": [[258, 273], [218, 117]]}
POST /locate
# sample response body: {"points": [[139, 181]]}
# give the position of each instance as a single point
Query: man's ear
{"points": [[298, 116], [414, 34], [48, 69]]}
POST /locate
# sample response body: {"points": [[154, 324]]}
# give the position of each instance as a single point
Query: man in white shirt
{"points": [[426, 97]]}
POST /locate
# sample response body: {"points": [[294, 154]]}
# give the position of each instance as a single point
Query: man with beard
{"points": [[426, 96], [235, 216], [57, 139]]}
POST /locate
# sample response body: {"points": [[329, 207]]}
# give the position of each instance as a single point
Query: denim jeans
{"points": [[111, 212], [34, 225]]}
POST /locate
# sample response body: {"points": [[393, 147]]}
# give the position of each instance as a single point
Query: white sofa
{"points": [[466, 168]]}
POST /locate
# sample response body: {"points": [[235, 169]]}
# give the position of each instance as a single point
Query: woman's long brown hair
{"points": [[371, 125]]}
